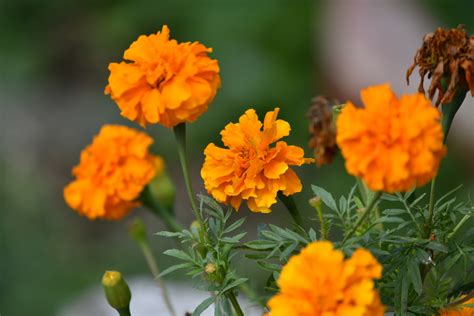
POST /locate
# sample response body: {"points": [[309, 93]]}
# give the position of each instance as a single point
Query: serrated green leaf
{"points": [[312, 234], [178, 254], [234, 239], [325, 196], [415, 276], [233, 284], [169, 234], [174, 268], [234, 225], [203, 306]]}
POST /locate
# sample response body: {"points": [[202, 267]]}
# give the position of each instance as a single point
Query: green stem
{"points": [[155, 271], [364, 215], [180, 135], [235, 304], [323, 229], [431, 208], [291, 207]]}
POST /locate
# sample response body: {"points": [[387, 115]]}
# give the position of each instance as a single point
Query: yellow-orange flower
{"points": [[112, 172], [459, 310], [166, 82], [249, 168], [392, 144], [319, 282]]}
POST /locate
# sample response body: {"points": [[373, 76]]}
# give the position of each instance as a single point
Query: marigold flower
{"points": [[446, 54], [392, 144], [459, 310], [249, 168], [322, 130], [166, 82], [319, 282], [112, 173]]}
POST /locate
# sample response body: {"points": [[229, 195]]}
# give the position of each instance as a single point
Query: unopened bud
{"points": [[116, 291], [163, 189], [315, 202]]}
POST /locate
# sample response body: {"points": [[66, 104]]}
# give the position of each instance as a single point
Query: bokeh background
{"points": [[271, 53]]}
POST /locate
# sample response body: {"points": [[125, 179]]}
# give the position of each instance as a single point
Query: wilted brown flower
{"points": [[447, 54], [322, 129]]}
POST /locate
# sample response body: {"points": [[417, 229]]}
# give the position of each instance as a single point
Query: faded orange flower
{"points": [[392, 144], [459, 310], [250, 168], [165, 82], [112, 173], [319, 282]]}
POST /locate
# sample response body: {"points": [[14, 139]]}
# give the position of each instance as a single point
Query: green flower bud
{"points": [[163, 190], [117, 291]]}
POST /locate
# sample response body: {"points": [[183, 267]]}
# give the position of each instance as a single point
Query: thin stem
{"points": [[235, 304], [431, 208], [323, 229], [155, 271], [364, 215], [180, 135], [291, 207], [413, 218]]}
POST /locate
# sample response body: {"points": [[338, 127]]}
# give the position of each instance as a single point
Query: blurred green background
{"points": [[54, 69]]}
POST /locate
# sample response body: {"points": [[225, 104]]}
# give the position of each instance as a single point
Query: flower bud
{"points": [[163, 190], [116, 291], [315, 202]]}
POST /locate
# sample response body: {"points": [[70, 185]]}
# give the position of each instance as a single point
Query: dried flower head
{"points": [[460, 310], [112, 173], [249, 168], [165, 82], [319, 282], [448, 55], [392, 144], [322, 130]]}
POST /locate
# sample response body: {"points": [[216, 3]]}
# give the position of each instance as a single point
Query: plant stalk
{"points": [[180, 135], [235, 303], [155, 271], [364, 215]]}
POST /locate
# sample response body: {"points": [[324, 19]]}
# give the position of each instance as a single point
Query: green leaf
{"points": [[174, 268], [178, 254], [312, 234], [203, 306], [233, 284], [234, 225], [260, 244], [437, 246], [234, 239], [325, 196], [415, 276], [168, 234]]}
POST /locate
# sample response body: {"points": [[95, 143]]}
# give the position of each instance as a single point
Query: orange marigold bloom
{"points": [[319, 282], [166, 82], [459, 310], [392, 144], [112, 173], [250, 169]]}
